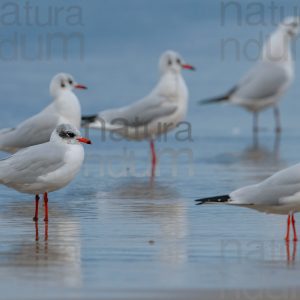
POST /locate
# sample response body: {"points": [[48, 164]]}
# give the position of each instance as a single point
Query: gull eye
{"points": [[70, 81], [62, 84], [178, 61], [169, 62], [70, 134]]}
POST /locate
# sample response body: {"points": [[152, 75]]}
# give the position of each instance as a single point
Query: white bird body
{"points": [[46, 167], [267, 81], [279, 194], [65, 109], [264, 85], [262, 90], [42, 168], [160, 111]]}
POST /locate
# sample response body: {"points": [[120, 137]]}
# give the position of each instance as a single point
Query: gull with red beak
{"points": [[47, 167], [157, 113], [65, 108]]}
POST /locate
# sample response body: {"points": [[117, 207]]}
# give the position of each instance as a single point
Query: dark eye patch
{"points": [[169, 62], [70, 81], [62, 84], [178, 61], [70, 134], [67, 134]]}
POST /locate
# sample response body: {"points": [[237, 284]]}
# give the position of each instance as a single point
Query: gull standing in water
{"points": [[279, 194], [157, 113], [264, 85], [65, 108], [47, 167]]}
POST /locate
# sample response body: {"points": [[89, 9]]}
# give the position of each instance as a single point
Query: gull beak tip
{"points": [[80, 87], [84, 140]]}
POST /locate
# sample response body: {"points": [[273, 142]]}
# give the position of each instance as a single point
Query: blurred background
{"points": [[114, 46]]}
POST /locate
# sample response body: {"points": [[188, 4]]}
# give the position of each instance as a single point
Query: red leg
{"points": [[294, 228], [287, 238], [288, 253], [294, 251], [46, 207], [36, 231], [36, 214], [153, 153], [154, 159], [46, 231]]}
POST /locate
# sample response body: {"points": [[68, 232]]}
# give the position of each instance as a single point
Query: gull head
{"points": [[291, 26], [170, 61], [63, 82], [68, 134]]}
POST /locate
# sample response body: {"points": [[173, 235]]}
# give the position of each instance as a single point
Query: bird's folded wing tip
{"points": [[199, 201]]}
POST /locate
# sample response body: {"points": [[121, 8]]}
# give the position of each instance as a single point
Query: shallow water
{"points": [[115, 233], [118, 237]]}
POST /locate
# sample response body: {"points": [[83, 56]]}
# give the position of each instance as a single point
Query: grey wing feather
{"points": [[263, 81], [140, 113], [33, 131], [28, 164]]}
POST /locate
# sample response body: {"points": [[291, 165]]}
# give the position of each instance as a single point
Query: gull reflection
{"points": [[53, 250], [291, 258], [260, 154], [163, 211], [254, 163], [260, 161]]}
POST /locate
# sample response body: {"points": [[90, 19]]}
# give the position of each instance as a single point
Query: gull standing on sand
{"points": [[157, 113], [65, 108], [279, 194], [47, 167], [264, 85]]}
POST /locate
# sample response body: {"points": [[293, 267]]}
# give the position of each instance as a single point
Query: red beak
{"points": [[84, 140], [80, 86], [188, 67]]}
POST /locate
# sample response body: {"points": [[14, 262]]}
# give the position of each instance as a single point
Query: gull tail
{"points": [[217, 199], [215, 100], [96, 122], [222, 98], [86, 120]]}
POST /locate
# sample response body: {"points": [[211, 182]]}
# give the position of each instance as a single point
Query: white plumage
{"points": [[278, 194], [157, 113], [46, 167], [264, 85], [166, 104], [65, 108]]}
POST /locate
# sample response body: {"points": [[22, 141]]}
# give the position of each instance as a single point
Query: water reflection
{"points": [[162, 208], [254, 163], [55, 254], [145, 190], [255, 154], [37, 236], [291, 258], [274, 252], [259, 154]]}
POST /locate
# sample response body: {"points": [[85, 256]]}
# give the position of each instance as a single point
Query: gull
{"points": [[157, 113], [264, 85], [278, 194], [46, 167], [65, 108]]}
